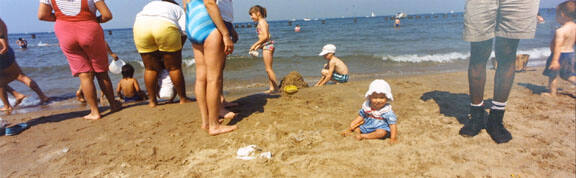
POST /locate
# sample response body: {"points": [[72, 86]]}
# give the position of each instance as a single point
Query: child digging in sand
{"points": [[128, 87], [376, 119], [561, 61], [334, 69]]}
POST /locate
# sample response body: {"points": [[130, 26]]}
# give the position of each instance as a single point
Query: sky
{"points": [[21, 15]]}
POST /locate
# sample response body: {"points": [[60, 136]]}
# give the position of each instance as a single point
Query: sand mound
{"points": [[293, 78]]}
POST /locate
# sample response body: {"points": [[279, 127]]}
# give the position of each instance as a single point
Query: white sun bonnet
{"points": [[380, 86]]}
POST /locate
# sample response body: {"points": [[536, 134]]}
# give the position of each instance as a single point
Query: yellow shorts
{"points": [[156, 35]]}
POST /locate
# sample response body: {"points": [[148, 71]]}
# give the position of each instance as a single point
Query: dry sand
{"points": [[302, 133]]}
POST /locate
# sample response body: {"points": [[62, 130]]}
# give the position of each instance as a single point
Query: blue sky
{"points": [[21, 15]]}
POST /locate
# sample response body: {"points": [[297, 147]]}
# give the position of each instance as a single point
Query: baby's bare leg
{"points": [[358, 134], [379, 133]]}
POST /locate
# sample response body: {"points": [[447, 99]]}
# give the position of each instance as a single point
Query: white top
{"points": [[166, 11], [166, 85], [71, 7], [226, 10]]}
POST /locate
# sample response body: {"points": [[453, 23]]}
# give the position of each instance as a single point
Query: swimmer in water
{"points": [[297, 28], [22, 43]]}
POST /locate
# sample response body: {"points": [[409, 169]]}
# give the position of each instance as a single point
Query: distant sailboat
{"points": [[306, 19], [372, 14]]}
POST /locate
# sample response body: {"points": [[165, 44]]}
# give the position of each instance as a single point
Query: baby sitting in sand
{"points": [[376, 120]]}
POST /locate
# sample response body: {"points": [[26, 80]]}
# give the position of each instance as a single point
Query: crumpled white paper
{"points": [[251, 152]]}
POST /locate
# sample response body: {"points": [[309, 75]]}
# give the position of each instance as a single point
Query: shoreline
{"points": [[302, 133]]}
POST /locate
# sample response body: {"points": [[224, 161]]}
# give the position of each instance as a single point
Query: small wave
{"points": [[27, 102], [428, 58], [42, 44], [34, 101], [535, 53]]}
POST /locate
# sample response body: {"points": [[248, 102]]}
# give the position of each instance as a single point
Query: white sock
{"points": [[498, 105], [477, 105]]}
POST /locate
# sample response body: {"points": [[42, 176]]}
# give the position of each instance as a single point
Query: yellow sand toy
{"points": [[290, 89]]}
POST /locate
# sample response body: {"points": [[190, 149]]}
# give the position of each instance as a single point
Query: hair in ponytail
{"points": [[258, 8]]}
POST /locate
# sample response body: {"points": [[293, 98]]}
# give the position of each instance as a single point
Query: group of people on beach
{"points": [[162, 27]]}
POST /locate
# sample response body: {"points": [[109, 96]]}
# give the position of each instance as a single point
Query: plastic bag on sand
{"points": [[116, 66], [252, 152]]}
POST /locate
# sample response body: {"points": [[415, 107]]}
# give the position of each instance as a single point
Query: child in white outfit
{"points": [[376, 119]]}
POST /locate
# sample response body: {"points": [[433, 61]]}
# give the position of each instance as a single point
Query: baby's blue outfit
{"points": [[371, 124]]}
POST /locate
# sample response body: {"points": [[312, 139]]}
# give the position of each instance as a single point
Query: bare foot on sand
{"points": [[184, 101], [205, 126], [548, 94], [92, 116], [226, 114], [358, 137], [80, 97], [346, 133], [6, 109], [230, 115], [222, 129], [44, 100], [152, 104], [19, 100]]}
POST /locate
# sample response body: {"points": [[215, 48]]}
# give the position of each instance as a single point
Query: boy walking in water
{"points": [[507, 21], [561, 61], [334, 69]]}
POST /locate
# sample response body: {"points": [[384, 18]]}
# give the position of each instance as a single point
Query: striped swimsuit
{"points": [[199, 25]]}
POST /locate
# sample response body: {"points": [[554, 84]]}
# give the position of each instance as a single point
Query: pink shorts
{"points": [[83, 45]]}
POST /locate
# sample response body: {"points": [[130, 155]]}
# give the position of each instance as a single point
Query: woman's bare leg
{"points": [[107, 89], [152, 68], [214, 59], [200, 85], [89, 90], [173, 63], [32, 84]]}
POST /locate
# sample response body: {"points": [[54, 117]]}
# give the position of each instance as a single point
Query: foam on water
{"points": [[535, 53], [28, 101]]}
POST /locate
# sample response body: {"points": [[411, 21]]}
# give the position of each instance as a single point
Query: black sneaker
{"points": [[496, 129], [476, 122]]}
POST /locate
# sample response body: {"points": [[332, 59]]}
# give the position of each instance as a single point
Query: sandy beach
{"points": [[302, 131]]}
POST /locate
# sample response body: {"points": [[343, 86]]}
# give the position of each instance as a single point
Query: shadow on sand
{"points": [[450, 104], [69, 115], [538, 90], [249, 105], [535, 89]]}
